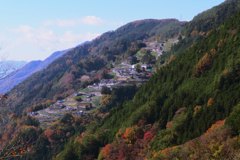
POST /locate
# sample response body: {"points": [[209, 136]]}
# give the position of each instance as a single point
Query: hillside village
{"points": [[151, 89], [86, 100]]}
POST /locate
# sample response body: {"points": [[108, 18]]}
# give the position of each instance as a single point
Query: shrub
{"points": [[67, 119], [78, 98], [105, 90]]}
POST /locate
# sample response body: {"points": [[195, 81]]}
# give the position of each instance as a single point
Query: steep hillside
{"points": [[199, 87], [63, 76]]}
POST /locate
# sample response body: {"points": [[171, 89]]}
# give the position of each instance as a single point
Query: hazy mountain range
{"points": [[22, 71], [7, 67]]}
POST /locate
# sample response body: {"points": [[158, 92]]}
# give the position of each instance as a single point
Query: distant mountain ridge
{"points": [[7, 67], [16, 77]]}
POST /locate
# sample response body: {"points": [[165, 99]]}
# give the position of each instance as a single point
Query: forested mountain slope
{"points": [[198, 88], [213, 17]]}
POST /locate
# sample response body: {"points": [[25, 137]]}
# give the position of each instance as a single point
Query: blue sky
{"points": [[32, 29]]}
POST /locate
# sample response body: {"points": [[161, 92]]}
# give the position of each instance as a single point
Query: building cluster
{"points": [[80, 103]]}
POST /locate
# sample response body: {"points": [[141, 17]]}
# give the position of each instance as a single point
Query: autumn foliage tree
{"points": [[203, 64]]}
